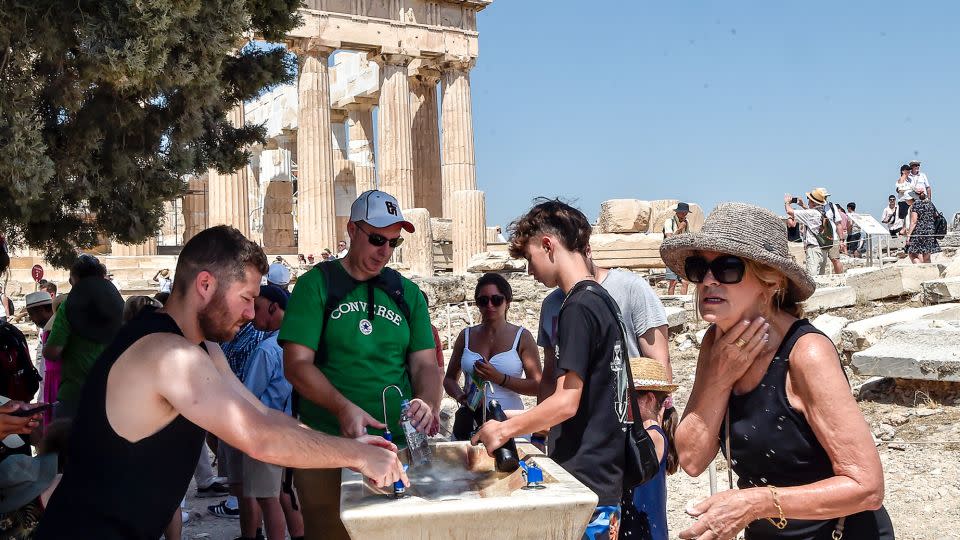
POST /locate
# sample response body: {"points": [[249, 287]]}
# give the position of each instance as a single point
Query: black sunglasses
{"points": [[726, 269], [497, 300], [377, 240]]}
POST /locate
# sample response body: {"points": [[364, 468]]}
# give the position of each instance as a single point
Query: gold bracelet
{"points": [[781, 522]]}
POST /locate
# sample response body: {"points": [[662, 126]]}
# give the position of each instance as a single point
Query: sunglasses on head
{"points": [[726, 269], [377, 240], [484, 301]]}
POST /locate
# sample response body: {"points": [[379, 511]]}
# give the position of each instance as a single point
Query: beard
{"points": [[215, 321]]}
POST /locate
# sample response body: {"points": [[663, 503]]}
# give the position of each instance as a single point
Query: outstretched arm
{"points": [[194, 385]]}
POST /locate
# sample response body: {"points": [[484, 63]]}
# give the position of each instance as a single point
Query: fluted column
{"points": [[148, 247], [360, 128], [315, 178], [195, 207], [344, 184], [459, 164], [469, 227], [228, 195], [427, 182], [418, 247], [393, 131]]}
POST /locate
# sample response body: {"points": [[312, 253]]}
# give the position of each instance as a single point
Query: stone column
{"points": [[418, 247], [393, 131], [459, 164], [148, 247], [360, 127], [195, 207], [469, 227], [228, 195], [315, 203], [278, 215], [344, 183], [427, 183]]}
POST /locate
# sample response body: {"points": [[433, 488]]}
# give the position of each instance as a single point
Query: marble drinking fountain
{"points": [[460, 495]]}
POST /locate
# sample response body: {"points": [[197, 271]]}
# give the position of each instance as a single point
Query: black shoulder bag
{"points": [[640, 456]]}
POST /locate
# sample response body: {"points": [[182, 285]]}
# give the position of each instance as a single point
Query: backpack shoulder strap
{"points": [[391, 282], [338, 285]]}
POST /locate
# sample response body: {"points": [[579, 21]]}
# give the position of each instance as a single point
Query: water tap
{"points": [[533, 476], [484, 390], [383, 402]]}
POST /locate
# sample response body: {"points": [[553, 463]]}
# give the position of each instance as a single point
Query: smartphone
{"points": [[795, 200], [42, 407]]}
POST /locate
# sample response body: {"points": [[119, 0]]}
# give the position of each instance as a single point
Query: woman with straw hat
{"points": [[644, 508], [770, 391]]}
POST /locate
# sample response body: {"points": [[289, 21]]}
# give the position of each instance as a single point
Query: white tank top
{"points": [[506, 362]]}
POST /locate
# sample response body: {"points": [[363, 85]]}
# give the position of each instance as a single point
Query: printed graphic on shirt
{"points": [[620, 375]]}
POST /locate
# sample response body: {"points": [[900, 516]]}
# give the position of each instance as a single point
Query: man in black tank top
{"points": [[161, 384]]}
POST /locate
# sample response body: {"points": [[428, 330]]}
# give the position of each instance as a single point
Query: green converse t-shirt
{"points": [[362, 355]]}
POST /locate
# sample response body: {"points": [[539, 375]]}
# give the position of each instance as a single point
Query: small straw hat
{"points": [[648, 374], [746, 231]]}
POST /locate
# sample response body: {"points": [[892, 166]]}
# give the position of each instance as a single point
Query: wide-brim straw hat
{"points": [[746, 231], [648, 374]]}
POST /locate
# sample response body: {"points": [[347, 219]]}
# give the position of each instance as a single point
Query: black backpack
{"points": [[939, 224], [19, 380], [338, 284]]}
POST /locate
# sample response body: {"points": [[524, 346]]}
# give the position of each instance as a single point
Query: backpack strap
{"points": [[338, 285], [390, 281]]}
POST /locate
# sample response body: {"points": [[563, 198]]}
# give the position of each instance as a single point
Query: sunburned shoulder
{"points": [[162, 346], [813, 351]]}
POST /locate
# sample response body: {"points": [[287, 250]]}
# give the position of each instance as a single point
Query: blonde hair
{"points": [[775, 281]]}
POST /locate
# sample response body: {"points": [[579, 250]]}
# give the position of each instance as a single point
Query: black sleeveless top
{"points": [[112, 488], [772, 444]]}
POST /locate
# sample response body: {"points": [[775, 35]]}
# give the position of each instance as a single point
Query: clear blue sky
{"points": [[713, 101]]}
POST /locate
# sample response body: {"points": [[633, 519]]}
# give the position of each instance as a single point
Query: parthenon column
{"points": [[344, 184], [228, 195], [315, 178], [360, 127], [393, 130], [427, 182], [459, 164], [469, 227]]}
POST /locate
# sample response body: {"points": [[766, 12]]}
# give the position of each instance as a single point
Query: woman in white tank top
{"points": [[497, 351]]}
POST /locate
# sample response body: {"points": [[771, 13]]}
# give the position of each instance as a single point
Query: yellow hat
{"points": [[818, 195], [648, 374]]}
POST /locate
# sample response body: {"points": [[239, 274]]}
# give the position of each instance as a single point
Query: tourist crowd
{"points": [[826, 229], [288, 387]]}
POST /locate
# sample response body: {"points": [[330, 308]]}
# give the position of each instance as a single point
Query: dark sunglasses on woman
{"points": [[726, 269], [496, 300], [377, 240]]}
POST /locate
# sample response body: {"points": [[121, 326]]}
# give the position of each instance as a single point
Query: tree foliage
{"points": [[105, 105]]}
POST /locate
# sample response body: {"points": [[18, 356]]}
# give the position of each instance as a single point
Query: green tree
{"points": [[105, 105]]}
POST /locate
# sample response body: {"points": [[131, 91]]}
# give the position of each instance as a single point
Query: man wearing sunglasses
{"points": [[340, 358]]}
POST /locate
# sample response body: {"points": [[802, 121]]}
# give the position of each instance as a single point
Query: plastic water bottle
{"points": [[475, 394], [416, 442]]}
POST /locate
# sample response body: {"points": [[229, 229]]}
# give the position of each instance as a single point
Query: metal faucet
{"points": [[383, 402], [484, 390]]}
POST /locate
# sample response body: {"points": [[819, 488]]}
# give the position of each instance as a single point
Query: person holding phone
{"points": [[494, 351]]}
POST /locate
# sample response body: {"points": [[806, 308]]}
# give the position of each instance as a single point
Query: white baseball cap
{"points": [[278, 274], [378, 209]]}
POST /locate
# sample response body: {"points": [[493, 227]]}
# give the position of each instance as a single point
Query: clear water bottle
{"points": [[416, 442]]}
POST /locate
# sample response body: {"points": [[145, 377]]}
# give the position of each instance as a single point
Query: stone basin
{"points": [[461, 496]]}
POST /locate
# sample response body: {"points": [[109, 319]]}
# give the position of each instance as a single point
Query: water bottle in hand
{"points": [[416, 441]]}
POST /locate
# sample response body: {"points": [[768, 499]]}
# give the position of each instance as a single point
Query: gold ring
{"points": [[740, 342]]}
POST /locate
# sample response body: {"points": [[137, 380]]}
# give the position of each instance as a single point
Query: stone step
{"points": [[828, 298], [927, 350], [891, 281], [863, 334]]}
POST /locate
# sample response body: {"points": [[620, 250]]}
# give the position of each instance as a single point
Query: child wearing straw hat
{"points": [[644, 508]]}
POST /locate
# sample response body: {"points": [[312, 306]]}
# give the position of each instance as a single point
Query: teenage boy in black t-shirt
{"points": [[587, 412]]}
